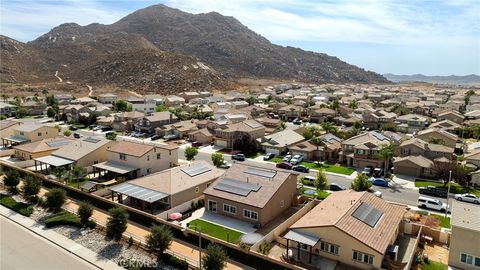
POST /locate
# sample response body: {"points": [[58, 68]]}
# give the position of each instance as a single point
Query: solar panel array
{"points": [[367, 214], [260, 172], [141, 193], [236, 187], [378, 135], [253, 124], [196, 169], [58, 143], [91, 140]]}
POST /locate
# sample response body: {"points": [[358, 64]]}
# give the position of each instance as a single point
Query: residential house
{"points": [[271, 124], [180, 129], [225, 135], [453, 116], [278, 143], [463, 250], [251, 194], [29, 133], [374, 119], [145, 107], [239, 104], [354, 228], [7, 110], [411, 123], [361, 150], [133, 160], [416, 146], [189, 96], [290, 112], [447, 138], [107, 98], [203, 136], [148, 124], [447, 125], [417, 166], [124, 121], [327, 150], [169, 188], [34, 107], [174, 101], [63, 98], [473, 158], [155, 99], [322, 115], [83, 101], [7, 127], [73, 112], [45, 147]]}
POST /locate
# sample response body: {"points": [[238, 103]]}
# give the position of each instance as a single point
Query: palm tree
{"points": [[329, 127], [386, 153], [77, 173], [476, 131], [45, 92]]}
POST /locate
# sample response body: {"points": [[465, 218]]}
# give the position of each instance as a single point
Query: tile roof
{"points": [[80, 148], [466, 215], [131, 148], [44, 145], [415, 160], [8, 123], [337, 209]]}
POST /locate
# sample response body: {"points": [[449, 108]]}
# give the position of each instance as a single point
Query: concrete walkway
{"points": [[59, 240], [228, 222]]}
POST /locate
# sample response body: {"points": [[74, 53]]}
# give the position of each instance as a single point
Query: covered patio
{"points": [[51, 161], [305, 243], [115, 168], [141, 197], [13, 140]]}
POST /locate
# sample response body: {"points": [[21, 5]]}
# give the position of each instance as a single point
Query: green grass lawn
{"points": [[24, 209], [80, 126], [215, 230], [278, 159], [328, 168], [254, 155], [434, 266], [63, 218], [444, 222], [319, 194], [73, 183], [454, 187]]}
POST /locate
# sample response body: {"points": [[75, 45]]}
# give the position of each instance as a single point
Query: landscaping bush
{"points": [[174, 261], [31, 187], [24, 209], [214, 258], [11, 180], [159, 239], [56, 197], [117, 223], [63, 218], [85, 211], [264, 248]]}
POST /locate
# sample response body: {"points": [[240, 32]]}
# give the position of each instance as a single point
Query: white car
{"points": [[225, 165], [467, 198], [297, 159], [433, 204]]}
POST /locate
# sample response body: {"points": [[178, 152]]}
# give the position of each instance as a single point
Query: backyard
{"points": [[215, 231], [454, 187], [431, 265], [311, 192], [444, 221]]}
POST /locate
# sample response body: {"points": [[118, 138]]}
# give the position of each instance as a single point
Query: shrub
{"points": [[214, 258], [159, 239], [190, 153], [264, 248], [67, 133], [24, 209], [130, 241], [56, 197], [85, 211], [11, 180], [63, 218], [321, 181], [31, 186], [174, 261], [217, 159], [117, 223], [361, 183]]}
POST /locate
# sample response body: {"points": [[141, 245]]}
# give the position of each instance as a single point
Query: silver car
{"points": [[467, 198]]}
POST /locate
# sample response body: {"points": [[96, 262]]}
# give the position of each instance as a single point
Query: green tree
{"points": [[111, 136], [67, 133], [386, 153], [56, 197], [353, 104], [50, 100], [329, 127], [335, 104], [251, 100], [59, 172], [85, 211], [476, 131], [121, 105], [389, 127], [21, 112], [159, 239], [361, 183], [161, 108], [214, 258], [307, 134], [117, 223], [11, 180], [77, 173], [357, 124], [217, 159], [31, 186], [190, 153], [321, 181], [281, 126], [400, 110], [51, 112]]}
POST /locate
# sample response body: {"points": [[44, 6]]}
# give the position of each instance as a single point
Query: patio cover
{"points": [[89, 185], [115, 167], [138, 192], [54, 161], [303, 238], [16, 139]]}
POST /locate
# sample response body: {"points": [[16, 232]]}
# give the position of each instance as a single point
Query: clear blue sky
{"points": [[433, 37]]}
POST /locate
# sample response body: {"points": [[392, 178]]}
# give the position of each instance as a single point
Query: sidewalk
{"points": [[59, 240]]}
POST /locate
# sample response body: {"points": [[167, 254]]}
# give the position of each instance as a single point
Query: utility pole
{"points": [[448, 191], [200, 249]]}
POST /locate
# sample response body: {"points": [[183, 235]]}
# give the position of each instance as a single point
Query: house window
{"points": [[197, 189], [229, 209], [329, 248], [362, 257], [469, 259], [123, 157], [212, 206], [148, 157], [250, 214], [158, 155], [360, 151], [39, 134]]}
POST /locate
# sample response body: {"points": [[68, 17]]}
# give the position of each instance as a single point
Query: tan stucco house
{"points": [[29, 133]]}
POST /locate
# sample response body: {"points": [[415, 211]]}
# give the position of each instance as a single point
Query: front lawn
{"points": [[215, 230], [277, 159], [328, 167], [80, 126], [431, 265], [63, 218], [314, 193], [454, 187], [24, 209], [444, 222]]}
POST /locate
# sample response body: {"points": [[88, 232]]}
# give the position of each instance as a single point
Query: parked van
{"points": [[309, 180], [433, 204]]}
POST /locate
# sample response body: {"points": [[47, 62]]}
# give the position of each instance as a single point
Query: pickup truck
{"points": [[433, 191]]}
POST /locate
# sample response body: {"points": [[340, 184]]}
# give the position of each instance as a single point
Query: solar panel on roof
{"points": [[232, 189], [241, 184], [196, 169], [378, 135], [91, 140], [367, 214], [260, 172], [58, 143], [253, 124]]}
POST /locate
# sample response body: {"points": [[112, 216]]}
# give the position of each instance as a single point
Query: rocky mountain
{"points": [[467, 80], [163, 49]]}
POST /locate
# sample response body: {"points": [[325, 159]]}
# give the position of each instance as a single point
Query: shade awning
{"points": [[115, 167], [16, 139], [54, 161], [89, 185], [138, 192], [303, 238]]}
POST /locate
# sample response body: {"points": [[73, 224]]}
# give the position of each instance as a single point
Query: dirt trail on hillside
{"points": [[58, 77]]}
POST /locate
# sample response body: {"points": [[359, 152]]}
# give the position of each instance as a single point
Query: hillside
{"points": [[467, 80]]}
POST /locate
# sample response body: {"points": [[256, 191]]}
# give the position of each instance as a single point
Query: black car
{"points": [[239, 157], [72, 128], [268, 156], [77, 136], [433, 191], [155, 137], [106, 129], [336, 187], [301, 168]]}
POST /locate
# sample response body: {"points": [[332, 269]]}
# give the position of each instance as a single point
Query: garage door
{"points": [[276, 152], [221, 143], [404, 170]]}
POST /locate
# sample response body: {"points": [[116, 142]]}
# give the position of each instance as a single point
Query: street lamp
{"points": [[448, 191]]}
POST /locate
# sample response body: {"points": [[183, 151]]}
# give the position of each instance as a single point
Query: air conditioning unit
{"points": [[392, 252]]}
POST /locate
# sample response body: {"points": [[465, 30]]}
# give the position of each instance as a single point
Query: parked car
{"points": [[297, 121], [196, 144], [268, 156], [155, 137], [467, 198], [433, 191], [92, 126], [239, 157], [368, 170], [170, 137], [77, 136], [378, 182], [225, 165], [72, 128], [106, 129], [285, 165], [296, 159], [336, 187], [377, 172], [287, 158], [433, 204], [300, 168], [309, 180]]}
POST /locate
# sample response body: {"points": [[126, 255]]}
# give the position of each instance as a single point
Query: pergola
{"points": [[120, 169], [138, 193], [14, 140], [301, 238], [51, 161]]}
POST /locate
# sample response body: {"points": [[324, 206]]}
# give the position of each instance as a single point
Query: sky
{"points": [[431, 37]]}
